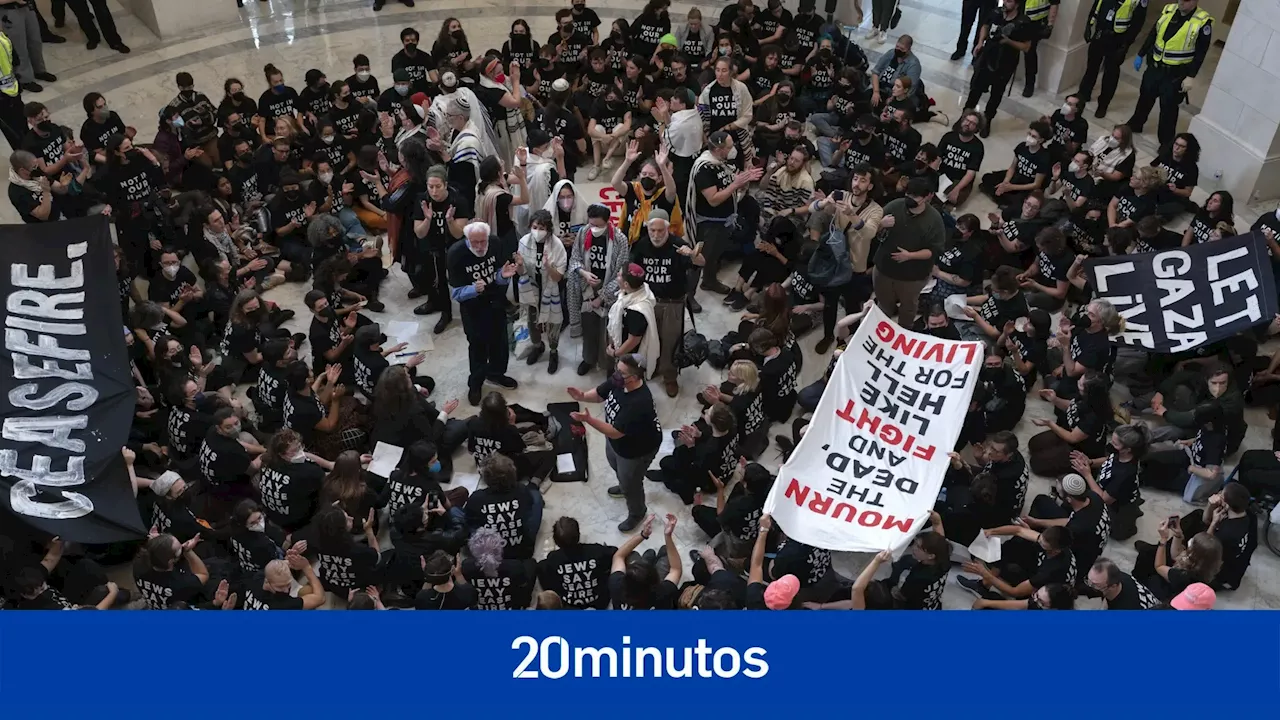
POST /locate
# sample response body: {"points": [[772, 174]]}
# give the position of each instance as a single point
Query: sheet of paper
{"points": [[386, 457], [986, 549], [928, 286], [944, 184], [407, 331], [666, 448], [564, 463], [470, 481]]}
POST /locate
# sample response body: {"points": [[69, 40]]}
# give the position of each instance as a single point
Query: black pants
{"points": [[432, 279], [681, 170], [969, 13], [705, 517], [85, 18], [715, 238], [485, 323], [1167, 470], [1106, 54], [1031, 62], [1163, 83], [1259, 471], [853, 294], [990, 79], [12, 120]]}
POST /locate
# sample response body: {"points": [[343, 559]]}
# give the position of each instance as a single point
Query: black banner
{"points": [[68, 396], [1180, 299]]}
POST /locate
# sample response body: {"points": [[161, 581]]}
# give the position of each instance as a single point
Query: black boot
{"points": [[442, 323], [535, 354]]}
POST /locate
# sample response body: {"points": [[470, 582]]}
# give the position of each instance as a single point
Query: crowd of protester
{"points": [[761, 158]]}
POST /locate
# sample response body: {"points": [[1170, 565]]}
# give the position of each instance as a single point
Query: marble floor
{"points": [[300, 34]]}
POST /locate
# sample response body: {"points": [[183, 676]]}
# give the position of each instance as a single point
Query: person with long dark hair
{"points": [[346, 486], [1118, 476], [1088, 418], [289, 481], [341, 563], [402, 414], [1219, 207]]}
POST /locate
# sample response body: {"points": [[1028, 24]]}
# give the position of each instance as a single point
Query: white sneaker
{"points": [[595, 173], [871, 32], [881, 37]]}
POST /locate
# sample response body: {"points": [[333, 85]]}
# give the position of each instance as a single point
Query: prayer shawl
{"points": [[642, 301], [684, 133], [479, 125], [538, 180], [616, 257], [639, 215], [468, 147], [690, 218], [510, 129], [784, 190], [537, 289], [487, 205]]}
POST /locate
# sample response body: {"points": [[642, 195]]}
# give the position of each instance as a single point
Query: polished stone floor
{"points": [[302, 34]]}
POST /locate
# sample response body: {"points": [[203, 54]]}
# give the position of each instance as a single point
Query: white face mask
{"points": [[363, 75], [1066, 108], [326, 178], [1278, 213], [259, 526], [1020, 325], [1032, 141], [733, 154], [328, 139], [538, 235], [301, 457], [566, 204], [597, 231], [1073, 166], [1112, 142], [170, 271]]}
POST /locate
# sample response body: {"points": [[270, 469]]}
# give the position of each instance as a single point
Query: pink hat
{"points": [[781, 592], [1197, 596]]}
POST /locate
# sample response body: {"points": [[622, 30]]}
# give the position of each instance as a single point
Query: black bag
{"points": [[896, 18], [718, 354], [693, 348], [561, 434], [830, 266]]}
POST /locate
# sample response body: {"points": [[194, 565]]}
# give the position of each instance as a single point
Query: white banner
{"points": [[869, 467]]}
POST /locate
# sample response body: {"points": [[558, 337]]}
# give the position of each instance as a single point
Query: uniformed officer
{"points": [[972, 12], [1176, 47], [1044, 13], [1111, 29], [13, 122]]}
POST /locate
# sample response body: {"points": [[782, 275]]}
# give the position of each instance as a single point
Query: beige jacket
{"points": [[860, 240]]}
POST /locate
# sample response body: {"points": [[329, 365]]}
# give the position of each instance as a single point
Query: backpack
{"points": [[830, 266], [693, 348]]}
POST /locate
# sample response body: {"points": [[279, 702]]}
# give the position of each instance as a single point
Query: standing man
{"points": [[1002, 38], [971, 11], [478, 279], [667, 262], [631, 426], [20, 23], [904, 261], [1176, 47], [713, 203], [1044, 14], [13, 121], [1112, 27]]}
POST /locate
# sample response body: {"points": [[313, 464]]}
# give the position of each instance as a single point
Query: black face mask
{"points": [[293, 194], [458, 35], [325, 314], [238, 97], [648, 184], [46, 127], [899, 54], [864, 134], [1081, 322], [411, 48], [991, 374], [825, 54], [784, 98], [616, 35], [245, 157]]}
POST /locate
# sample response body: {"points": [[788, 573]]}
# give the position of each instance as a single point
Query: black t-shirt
{"points": [[343, 569], [417, 66], [245, 182], [186, 429], [361, 89], [1120, 480], [660, 597], [301, 413], [131, 182], [1201, 225], [326, 336], [1012, 477], [461, 597], [741, 516], [48, 599], [1079, 416], [174, 516], [717, 176], [1060, 568], [165, 291], [438, 237], [1180, 173], [94, 134], [256, 598], [997, 312], [721, 107], [49, 148], [272, 105], [1073, 188], [572, 47], [1209, 447], [999, 55], [289, 492], [633, 414], [809, 564], [608, 115], [922, 587], [483, 441], [1133, 596], [1029, 164], [586, 21], [159, 588], [822, 73], [392, 102], [1053, 268], [901, 146], [24, 201], [465, 268], [579, 575], [959, 156], [1069, 131], [646, 31], [963, 259], [511, 588], [522, 50], [1091, 349], [763, 79], [252, 549], [223, 460], [1090, 527], [857, 153], [314, 101], [665, 270], [1132, 206], [802, 290], [507, 513]]}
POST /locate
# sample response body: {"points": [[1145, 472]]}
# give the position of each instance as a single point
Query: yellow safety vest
{"points": [[1120, 23], [8, 81], [1181, 48], [1036, 9]]}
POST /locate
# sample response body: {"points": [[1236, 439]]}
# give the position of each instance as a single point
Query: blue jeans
{"points": [[810, 395], [826, 124], [827, 151], [351, 226]]}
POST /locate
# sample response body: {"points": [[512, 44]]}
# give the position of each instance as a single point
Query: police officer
{"points": [[1176, 47], [13, 122], [1005, 34], [478, 277], [1110, 30], [1044, 13]]}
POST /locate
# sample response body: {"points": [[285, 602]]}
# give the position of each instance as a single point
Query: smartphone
{"points": [[839, 196]]}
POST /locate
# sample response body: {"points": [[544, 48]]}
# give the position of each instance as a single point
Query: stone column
{"points": [[1239, 125], [175, 18], [1063, 55]]}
